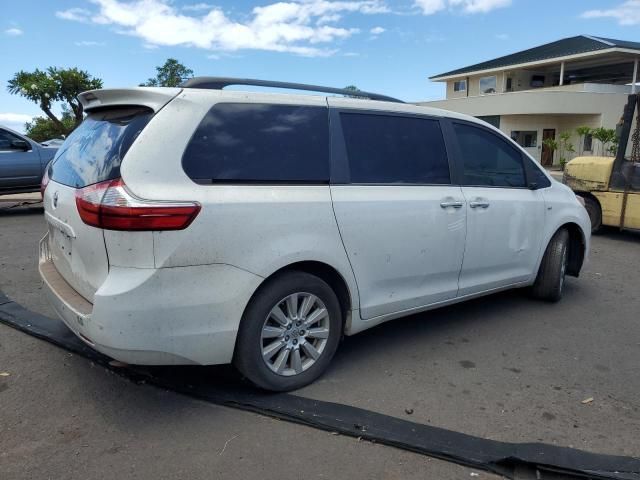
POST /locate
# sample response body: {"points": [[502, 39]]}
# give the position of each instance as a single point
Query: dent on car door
{"points": [[401, 220], [18, 167], [505, 217]]}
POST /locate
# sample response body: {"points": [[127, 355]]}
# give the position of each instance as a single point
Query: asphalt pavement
{"points": [[503, 367]]}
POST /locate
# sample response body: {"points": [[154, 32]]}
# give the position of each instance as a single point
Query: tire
{"points": [[550, 280], [266, 334], [595, 213]]}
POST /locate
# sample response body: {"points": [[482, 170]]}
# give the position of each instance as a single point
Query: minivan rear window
{"points": [[261, 143], [94, 151]]}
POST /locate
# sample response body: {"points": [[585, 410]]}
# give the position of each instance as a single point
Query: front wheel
{"points": [[289, 332], [550, 280]]}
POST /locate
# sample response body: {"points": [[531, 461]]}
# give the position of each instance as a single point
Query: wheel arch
{"points": [[577, 247], [328, 274], [586, 194]]}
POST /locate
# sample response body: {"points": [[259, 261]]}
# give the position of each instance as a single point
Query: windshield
{"points": [[94, 151]]}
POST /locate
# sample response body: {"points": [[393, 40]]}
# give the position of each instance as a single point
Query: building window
{"points": [[537, 81], [588, 143], [488, 85], [460, 86], [526, 139]]}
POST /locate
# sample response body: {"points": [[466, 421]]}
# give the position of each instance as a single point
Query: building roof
{"points": [[561, 48]]}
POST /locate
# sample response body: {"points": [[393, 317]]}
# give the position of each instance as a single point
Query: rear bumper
{"points": [[167, 316]]}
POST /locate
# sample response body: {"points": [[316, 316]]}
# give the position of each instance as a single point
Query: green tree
{"points": [[582, 133], [171, 74], [354, 89], [42, 128], [46, 87], [551, 144], [605, 136], [565, 147]]}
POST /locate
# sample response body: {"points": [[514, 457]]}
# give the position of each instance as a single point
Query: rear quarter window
{"points": [[94, 151], [262, 143]]}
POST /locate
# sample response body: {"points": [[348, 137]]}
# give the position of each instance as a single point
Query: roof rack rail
{"points": [[218, 83]]}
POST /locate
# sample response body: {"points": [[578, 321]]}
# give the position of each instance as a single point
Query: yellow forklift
{"points": [[611, 186]]}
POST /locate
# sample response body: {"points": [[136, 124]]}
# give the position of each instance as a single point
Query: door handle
{"points": [[479, 204], [454, 204]]}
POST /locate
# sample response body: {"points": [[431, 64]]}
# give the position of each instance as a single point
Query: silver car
{"points": [[22, 162]]}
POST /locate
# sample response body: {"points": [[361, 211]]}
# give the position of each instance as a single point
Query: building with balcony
{"points": [[544, 91]]}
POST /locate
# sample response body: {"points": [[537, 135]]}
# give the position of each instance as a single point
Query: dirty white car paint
{"points": [[177, 296]]}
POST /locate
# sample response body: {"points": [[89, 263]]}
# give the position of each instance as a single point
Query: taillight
{"points": [[44, 182], [111, 206]]}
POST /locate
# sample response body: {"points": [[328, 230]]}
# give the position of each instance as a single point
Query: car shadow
{"points": [[24, 208], [429, 328], [614, 233]]}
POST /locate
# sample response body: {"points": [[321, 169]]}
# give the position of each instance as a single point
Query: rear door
{"points": [[402, 222], [93, 153], [18, 167], [505, 217]]}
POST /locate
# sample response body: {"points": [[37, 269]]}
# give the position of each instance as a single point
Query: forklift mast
{"points": [[625, 131], [624, 174]]}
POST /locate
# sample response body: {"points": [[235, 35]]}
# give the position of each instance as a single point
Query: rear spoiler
{"points": [[153, 98]]}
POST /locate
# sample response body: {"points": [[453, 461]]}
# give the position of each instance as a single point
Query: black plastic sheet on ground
{"points": [[499, 457]]}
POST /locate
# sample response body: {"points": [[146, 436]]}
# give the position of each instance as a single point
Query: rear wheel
{"points": [[595, 213], [550, 280], [289, 332]]}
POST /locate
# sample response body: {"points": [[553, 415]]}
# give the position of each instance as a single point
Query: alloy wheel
{"points": [[295, 333]]}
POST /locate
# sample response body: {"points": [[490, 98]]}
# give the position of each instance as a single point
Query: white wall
{"points": [[546, 102], [560, 123]]}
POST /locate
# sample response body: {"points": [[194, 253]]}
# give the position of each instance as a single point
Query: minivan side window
{"points": [[487, 159], [262, 143], [391, 149]]}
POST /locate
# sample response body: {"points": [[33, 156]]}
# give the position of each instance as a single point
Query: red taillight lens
{"points": [[109, 205], [44, 182]]}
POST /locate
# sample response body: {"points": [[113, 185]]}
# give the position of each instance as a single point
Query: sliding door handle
{"points": [[454, 204], [479, 204]]}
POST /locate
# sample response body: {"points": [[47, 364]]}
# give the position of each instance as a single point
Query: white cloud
{"points": [[429, 7], [75, 14], [377, 30], [15, 121], [90, 43], [295, 26], [502, 36], [197, 7], [13, 32], [627, 13], [15, 118]]}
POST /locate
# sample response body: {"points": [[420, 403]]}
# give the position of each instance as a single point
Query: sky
{"points": [[385, 46]]}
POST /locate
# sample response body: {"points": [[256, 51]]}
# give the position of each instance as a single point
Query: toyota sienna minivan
{"points": [[203, 226]]}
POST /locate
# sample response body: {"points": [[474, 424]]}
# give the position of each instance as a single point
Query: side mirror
{"points": [[533, 185], [20, 145]]}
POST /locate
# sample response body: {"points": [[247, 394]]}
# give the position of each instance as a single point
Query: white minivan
{"points": [[197, 225]]}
